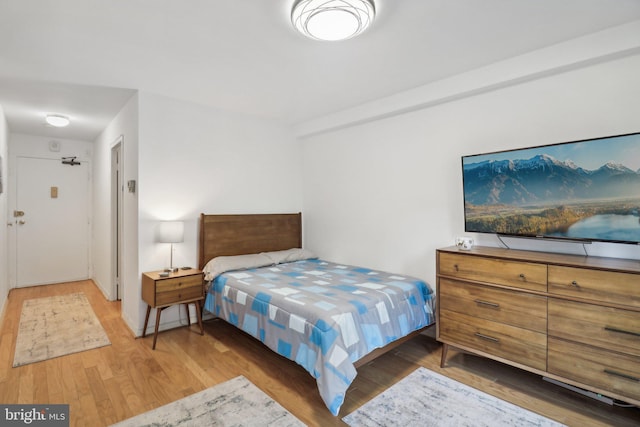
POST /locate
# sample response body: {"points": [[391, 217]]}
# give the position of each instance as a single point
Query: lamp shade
{"points": [[171, 232]]}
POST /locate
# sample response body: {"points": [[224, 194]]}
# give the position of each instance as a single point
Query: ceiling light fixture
{"points": [[332, 20], [57, 120]]}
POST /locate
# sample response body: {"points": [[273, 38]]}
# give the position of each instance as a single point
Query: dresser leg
{"points": [[443, 359], [146, 321]]}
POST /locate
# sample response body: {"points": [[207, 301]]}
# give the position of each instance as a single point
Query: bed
{"points": [[328, 317]]}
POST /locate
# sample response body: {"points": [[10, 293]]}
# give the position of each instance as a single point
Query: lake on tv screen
{"points": [[606, 220], [604, 227]]}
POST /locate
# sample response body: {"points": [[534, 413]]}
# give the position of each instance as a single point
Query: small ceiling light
{"points": [[57, 120], [332, 20]]}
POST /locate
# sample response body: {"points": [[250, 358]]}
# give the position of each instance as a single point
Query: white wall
{"points": [[187, 159], [387, 193], [125, 127], [195, 159], [4, 241]]}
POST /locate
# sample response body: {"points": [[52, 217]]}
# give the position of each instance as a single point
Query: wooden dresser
{"points": [[572, 318]]}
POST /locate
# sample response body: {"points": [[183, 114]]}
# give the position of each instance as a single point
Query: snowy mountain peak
{"points": [[615, 167]]}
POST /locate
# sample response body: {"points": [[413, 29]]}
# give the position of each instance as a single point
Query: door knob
{"points": [[10, 224], [21, 222]]}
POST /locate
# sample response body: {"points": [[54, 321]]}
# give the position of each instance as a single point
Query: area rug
{"points": [[56, 326], [237, 402], [426, 398]]}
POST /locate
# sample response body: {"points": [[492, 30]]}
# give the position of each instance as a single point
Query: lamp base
{"points": [[171, 270]]}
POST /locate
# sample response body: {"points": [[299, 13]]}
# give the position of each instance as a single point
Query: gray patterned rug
{"points": [[56, 326], [237, 402], [425, 398]]}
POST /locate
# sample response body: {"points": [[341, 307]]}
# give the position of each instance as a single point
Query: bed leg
{"points": [[443, 359]]}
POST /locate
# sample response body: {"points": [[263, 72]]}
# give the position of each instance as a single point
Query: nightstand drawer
{"points": [[607, 327], [178, 295], [517, 274], [178, 283], [181, 285], [494, 304], [509, 342], [607, 370]]}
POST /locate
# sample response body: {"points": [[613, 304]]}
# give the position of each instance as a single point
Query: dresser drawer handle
{"points": [[621, 331], [575, 284], [487, 303], [621, 375], [487, 337], [455, 267], [522, 276]]}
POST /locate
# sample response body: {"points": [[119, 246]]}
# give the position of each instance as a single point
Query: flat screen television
{"points": [[585, 190]]}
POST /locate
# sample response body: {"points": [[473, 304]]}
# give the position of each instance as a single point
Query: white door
{"points": [[52, 233]]}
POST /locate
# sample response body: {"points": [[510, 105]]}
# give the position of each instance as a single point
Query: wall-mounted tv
{"points": [[585, 190]]}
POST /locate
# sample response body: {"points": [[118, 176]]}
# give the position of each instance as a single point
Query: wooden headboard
{"points": [[247, 234]]}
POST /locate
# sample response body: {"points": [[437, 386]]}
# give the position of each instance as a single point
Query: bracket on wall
{"points": [[70, 161]]}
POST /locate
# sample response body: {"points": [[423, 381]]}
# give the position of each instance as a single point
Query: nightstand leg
{"points": [[155, 335], [146, 321], [188, 315], [199, 314]]}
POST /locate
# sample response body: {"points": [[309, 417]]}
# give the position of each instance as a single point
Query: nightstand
{"points": [[179, 287]]}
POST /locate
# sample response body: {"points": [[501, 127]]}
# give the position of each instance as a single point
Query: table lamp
{"points": [[171, 232]]}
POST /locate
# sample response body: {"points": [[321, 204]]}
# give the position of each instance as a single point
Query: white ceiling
{"points": [[85, 58]]}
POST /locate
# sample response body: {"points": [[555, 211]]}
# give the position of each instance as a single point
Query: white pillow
{"points": [[221, 264], [289, 255]]}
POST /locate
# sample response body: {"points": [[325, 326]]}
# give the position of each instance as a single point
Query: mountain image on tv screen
{"points": [[583, 190]]}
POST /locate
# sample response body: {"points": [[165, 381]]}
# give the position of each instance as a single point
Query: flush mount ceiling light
{"points": [[57, 120], [332, 20]]}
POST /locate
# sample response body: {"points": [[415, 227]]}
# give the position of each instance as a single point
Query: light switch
{"points": [[54, 192]]}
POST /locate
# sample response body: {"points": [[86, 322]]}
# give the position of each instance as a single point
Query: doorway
{"points": [[117, 193], [52, 221]]}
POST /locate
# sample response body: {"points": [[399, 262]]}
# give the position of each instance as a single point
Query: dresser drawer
{"points": [[509, 342], [494, 304], [606, 370], [598, 285], [517, 274], [608, 327]]}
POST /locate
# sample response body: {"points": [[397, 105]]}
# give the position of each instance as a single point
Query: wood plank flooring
{"points": [[113, 383]]}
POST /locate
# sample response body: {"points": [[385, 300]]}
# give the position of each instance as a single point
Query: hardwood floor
{"points": [[113, 383]]}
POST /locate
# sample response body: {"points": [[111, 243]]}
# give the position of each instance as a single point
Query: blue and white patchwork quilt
{"points": [[322, 315]]}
